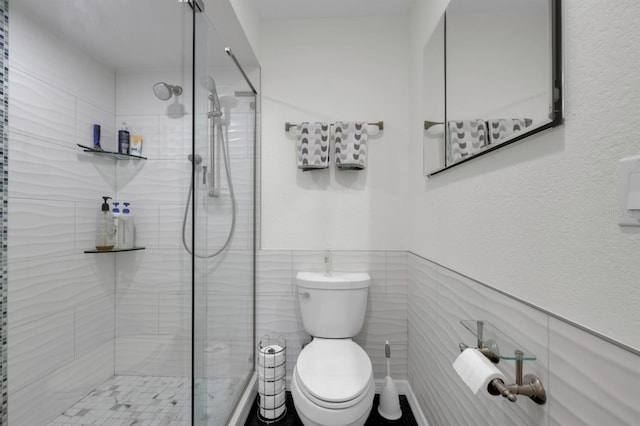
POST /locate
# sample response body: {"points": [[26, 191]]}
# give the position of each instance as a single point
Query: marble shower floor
{"points": [[148, 401]]}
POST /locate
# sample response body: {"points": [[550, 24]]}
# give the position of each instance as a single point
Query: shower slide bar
{"points": [[378, 124]]}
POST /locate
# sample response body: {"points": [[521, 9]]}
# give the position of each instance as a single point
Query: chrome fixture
{"points": [[164, 91], [528, 385]]}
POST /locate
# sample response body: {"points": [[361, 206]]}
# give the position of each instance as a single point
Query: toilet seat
{"points": [[334, 373]]}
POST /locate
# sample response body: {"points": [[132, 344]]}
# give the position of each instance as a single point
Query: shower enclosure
{"points": [[163, 333]]}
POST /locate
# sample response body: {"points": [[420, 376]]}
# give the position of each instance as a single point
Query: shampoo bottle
{"points": [[123, 139], [115, 223], [128, 229], [104, 228]]}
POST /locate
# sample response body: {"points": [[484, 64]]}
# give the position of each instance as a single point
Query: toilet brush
{"points": [[389, 407]]}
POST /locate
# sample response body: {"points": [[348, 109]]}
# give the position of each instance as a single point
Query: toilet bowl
{"points": [[332, 383]]}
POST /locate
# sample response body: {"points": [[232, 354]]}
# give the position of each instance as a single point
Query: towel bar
{"points": [[378, 124]]}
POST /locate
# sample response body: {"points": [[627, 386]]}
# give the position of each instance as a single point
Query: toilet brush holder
{"points": [[389, 407], [272, 378]]}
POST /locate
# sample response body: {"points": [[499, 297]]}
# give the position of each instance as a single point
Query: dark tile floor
{"points": [[292, 419]]}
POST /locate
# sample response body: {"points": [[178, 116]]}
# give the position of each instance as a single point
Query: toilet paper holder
{"points": [[527, 385]]}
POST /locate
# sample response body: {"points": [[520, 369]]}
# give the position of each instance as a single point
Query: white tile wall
{"points": [[60, 301], [278, 310], [44, 399], [577, 369], [153, 299]]}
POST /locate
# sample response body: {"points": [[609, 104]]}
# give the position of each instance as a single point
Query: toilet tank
{"points": [[333, 306]]}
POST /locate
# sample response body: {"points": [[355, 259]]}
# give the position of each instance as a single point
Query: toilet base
{"points": [[310, 414]]}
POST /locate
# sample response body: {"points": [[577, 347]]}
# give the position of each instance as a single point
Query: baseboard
{"points": [[245, 403], [404, 388]]}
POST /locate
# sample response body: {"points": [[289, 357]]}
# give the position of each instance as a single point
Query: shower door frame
{"points": [[197, 354]]}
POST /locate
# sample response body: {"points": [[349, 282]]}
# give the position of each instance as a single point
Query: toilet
{"points": [[332, 383]]}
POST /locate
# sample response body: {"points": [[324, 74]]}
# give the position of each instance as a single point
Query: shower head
{"points": [[164, 91]]}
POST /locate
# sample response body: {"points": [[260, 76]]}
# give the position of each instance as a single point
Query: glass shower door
{"points": [[223, 228]]}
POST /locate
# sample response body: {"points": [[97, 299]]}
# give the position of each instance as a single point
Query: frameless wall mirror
{"points": [[493, 76]]}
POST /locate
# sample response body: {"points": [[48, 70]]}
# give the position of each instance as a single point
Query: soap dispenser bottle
{"points": [[115, 226], [123, 139], [104, 228], [127, 228]]}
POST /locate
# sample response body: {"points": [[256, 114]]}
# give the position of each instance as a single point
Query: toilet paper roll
{"points": [[476, 370], [271, 402], [272, 414], [271, 388], [270, 373], [271, 356]]}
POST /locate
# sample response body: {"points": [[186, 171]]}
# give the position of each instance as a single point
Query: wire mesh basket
{"points": [[272, 379]]}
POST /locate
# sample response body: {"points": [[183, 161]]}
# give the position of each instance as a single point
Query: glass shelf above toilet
{"points": [[492, 338]]}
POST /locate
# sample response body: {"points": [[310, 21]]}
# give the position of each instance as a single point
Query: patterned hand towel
{"points": [[501, 128], [465, 138], [351, 145], [312, 140]]}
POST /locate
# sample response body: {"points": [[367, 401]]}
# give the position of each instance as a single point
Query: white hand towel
{"points": [[501, 128], [351, 145], [465, 138], [312, 140]]}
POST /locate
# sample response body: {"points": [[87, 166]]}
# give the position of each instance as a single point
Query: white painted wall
{"points": [[538, 219], [493, 76], [250, 21], [351, 69], [60, 300]]}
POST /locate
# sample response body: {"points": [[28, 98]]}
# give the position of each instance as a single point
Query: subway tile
{"points": [[154, 271], [136, 314], [396, 274], [231, 272], [175, 313], [59, 390], [174, 138], [153, 356], [40, 110], [591, 381], [70, 173], [57, 283], [40, 347], [385, 319], [274, 274], [228, 316], [159, 181], [94, 324], [40, 229]]}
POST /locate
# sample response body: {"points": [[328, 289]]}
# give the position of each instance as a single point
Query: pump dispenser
{"points": [[127, 228], [104, 228], [115, 223]]}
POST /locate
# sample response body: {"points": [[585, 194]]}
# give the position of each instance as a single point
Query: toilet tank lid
{"points": [[336, 280]]}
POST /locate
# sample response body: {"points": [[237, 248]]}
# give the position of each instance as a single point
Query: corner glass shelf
{"points": [[114, 250], [111, 154], [496, 341]]}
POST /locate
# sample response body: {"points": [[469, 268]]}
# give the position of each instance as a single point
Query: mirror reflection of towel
{"points": [[502, 128], [465, 138], [351, 145], [312, 141]]}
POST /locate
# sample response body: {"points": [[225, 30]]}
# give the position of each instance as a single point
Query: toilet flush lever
{"points": [[303, 294]]}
